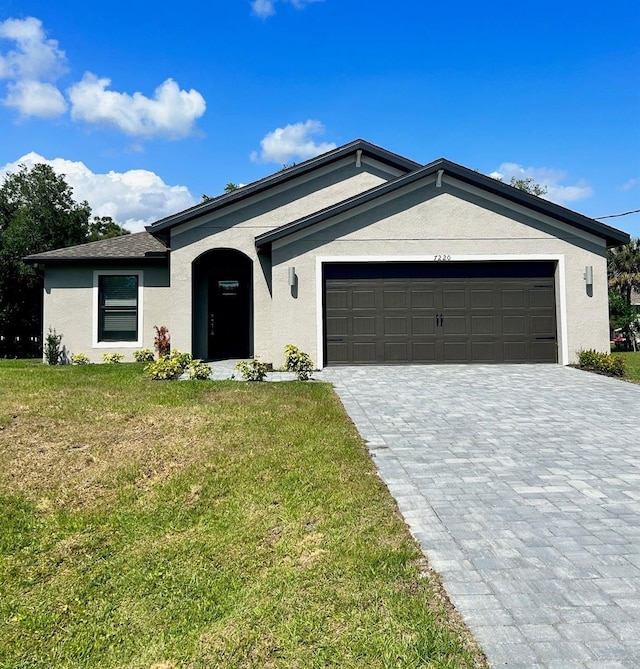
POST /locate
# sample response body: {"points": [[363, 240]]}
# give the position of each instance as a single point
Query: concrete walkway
{"points": [[522, 485]]}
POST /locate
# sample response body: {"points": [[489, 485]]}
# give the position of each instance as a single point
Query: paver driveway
{"points": [[522, 484]]}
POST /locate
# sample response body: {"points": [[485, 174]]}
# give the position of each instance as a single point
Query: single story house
{"points": [[357, 256]]}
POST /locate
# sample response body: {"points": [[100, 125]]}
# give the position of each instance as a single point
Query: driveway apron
{"points": [[522, 485]]}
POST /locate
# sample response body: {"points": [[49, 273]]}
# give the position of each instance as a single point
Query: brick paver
{"points": [[522, 485]]}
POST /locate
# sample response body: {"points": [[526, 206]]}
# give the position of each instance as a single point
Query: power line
{"points": [[626, 213]]}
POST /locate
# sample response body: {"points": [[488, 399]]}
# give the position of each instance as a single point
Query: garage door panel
{"points": [[364, 352], [481, 298], [512, 298], [364, 325], [394, 299], [455, 352], [440, 313], [483, 325], [541, 351], [396, 352], [338, 352], [515, 351], [363, 299], [337, 325], [542, 297], [423, 351], [454, 325], [423, 325], [483, 351], [422, 299], [514, 325], [454, 299], [396, 325], [336, 299], [542, 325]]}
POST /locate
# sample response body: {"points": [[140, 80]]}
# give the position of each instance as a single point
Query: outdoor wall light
{"points": [[292, 276], [588, 275]]}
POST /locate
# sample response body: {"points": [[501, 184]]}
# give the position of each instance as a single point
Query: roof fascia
{"points": [[159, 259]]}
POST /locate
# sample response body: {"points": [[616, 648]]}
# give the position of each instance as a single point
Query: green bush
{"points": [[198, 370], [113, 358], [603, 363], [144, 355], [173, 366], [52, 352], [253, 370], [298, 361], [80, 359]]}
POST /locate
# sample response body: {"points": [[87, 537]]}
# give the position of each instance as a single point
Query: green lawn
{"points": [[633, 365], [202, 524]]}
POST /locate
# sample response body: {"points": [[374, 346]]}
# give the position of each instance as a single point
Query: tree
{"points": [[528, 186], [623, 269], [230, 187], [104, 227], [37, 213]]}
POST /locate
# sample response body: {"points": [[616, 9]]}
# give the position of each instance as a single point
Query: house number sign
{"points": [[441, 258]]}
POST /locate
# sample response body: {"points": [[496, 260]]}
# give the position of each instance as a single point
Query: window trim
{"points": [[96, 308]]}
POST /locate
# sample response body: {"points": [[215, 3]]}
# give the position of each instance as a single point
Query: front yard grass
{"points": [[632, 359], [202, 524]]}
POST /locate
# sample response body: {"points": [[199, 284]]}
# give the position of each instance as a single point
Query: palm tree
{"points": [[623, 268]]}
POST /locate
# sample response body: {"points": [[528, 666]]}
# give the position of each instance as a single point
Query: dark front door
{"points": [[440, 313], [228, 316]]}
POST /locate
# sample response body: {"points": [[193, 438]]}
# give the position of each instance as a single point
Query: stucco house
{"points": [[358, 256]]}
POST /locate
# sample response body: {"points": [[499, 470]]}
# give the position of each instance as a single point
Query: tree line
{"points": [[37, 213]]}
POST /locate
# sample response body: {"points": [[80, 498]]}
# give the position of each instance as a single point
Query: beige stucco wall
{"points": [[70, 308], [456, 221], [236, 228], [418, 222]]}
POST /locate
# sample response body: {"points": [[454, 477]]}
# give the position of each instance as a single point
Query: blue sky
{"points": [[146, 107]]}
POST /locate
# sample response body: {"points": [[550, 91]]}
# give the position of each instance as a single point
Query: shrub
{"points": [[80, 359], [113, 358], [198, 370], [173, 366], [603, 363], [53, 354], [143, 355], [162, 340], [298, 361], [253, 370]]}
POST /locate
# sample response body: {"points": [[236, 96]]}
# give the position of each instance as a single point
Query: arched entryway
{"points": [[222, 305]]}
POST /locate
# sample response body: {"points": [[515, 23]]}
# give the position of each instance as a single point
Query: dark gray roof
{"points": [[613, 236], [370, 150], [139, 246]]}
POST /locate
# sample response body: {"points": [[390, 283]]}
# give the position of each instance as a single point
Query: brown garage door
{"points": [[494, 312]]}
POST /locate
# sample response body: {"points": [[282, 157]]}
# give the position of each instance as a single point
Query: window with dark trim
{"points": [[118, 308]]}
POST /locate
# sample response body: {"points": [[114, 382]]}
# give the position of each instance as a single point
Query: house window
{"points": [[118, 308]]}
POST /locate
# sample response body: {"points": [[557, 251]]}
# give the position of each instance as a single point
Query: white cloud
{"points": [[35, 63], [34, 57], [550, 178], [292, 142], [171, 112], [632, 183], [133, 199], [265, 8], [30, 67], [35, 98]]}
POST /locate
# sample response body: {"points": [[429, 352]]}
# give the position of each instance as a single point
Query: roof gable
{"points": [[367, 149], [613, 236]]}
